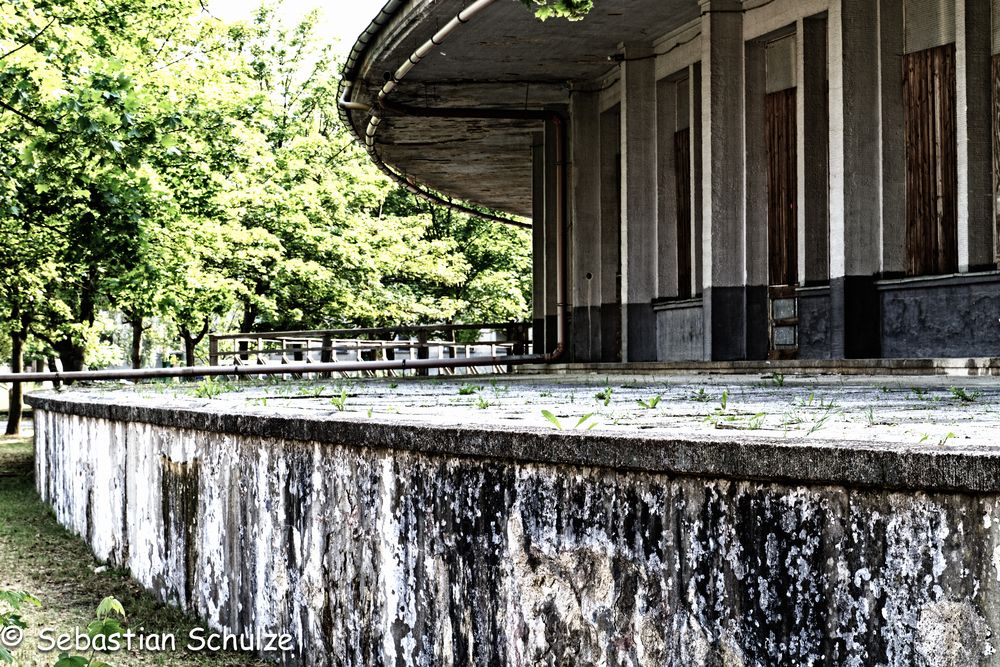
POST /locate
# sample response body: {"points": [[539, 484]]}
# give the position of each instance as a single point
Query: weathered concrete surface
{"points": [[383, 542]]}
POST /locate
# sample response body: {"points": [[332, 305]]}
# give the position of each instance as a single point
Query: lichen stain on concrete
{"points": [[391, 557], [951, 634]]}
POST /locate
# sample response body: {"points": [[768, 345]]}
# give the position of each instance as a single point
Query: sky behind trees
{"points": [[342, 20]]}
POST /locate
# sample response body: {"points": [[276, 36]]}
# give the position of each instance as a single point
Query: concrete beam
{"points": [[694, 102], [892, 164], [855, 192], [638, 204], [973, 55], [551, 167], [756, 211], [538, 241], [724, 239], [667, 115], [812, 124], [585, 234], [611, 319]]}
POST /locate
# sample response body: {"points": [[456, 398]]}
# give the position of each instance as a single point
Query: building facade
{"points": [[721, 180]]}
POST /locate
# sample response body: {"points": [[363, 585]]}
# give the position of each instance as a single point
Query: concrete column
{"points": [[892, 167], [812, 152], [724, 239], [855, 192], [666, 236], [611, 315], [973, 55], [639, 186], [585, 236], [538, 241], [553, 162], [755, 221], [694, 102]]}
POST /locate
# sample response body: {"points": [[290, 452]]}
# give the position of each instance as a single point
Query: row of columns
{"points": [[851, 176]]}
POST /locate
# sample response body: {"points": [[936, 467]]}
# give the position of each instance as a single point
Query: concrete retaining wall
{"points": [[395, 546]]}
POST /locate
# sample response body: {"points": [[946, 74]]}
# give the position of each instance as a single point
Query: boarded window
{"points": [[682, 179], [782, 178], [931, 161]]}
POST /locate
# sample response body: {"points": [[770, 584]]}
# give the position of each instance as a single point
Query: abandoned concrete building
{"points": [[714, 180]]}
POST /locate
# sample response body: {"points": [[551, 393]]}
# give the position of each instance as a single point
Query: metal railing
{"points": [[494, 343]]}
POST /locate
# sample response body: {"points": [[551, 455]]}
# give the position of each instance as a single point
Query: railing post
{"points": [[423, 352], [213, 350]]}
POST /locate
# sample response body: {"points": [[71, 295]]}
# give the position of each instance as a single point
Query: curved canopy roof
{"points": [[504, 58]]}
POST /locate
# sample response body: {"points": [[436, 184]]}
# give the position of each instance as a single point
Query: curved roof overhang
{"points": [[503, 59]]}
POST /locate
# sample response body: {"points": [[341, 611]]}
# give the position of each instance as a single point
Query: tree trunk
{"points": [[51, 362], [71, 354], [246, 326], [15, 410], [137, 330], [191, 341], [189, 345]]}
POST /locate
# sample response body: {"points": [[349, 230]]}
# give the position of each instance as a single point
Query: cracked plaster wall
{"points": [[389, 557]]}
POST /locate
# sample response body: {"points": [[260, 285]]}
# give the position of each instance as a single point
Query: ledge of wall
{"points": [[956, 467]]}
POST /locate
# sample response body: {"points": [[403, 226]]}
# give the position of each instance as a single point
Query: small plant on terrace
{"points": [[468, 389], [580, 422], [964, 396], [700, 396], [651, 403], [605, 395], [777, 379], [340, 402], [482, 403], [210, 388]]}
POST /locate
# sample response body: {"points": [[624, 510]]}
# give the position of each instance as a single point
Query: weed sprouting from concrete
{"points": [[962, 395], [469, 389], [605, 395], [340, 402], [650, 403]]}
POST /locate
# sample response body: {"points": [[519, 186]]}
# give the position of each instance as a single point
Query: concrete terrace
{"points": [[898, 431]]}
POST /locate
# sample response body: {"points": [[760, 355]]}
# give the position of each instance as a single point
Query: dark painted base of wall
{"points": [[641, 332], [586, 336], [680, 330], [814, 323], [611, 336], [854, 321], [948, 316], [739, 322]]}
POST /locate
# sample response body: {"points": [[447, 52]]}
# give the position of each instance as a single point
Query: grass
{"points": [[40, 557]]}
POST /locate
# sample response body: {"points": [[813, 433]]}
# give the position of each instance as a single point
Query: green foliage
{"points": [[573, 10], [964, 396], [604, 395], [579, 423], [469, 389], [166, 170], [340, 401], [650, 403], [11, 623]]}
